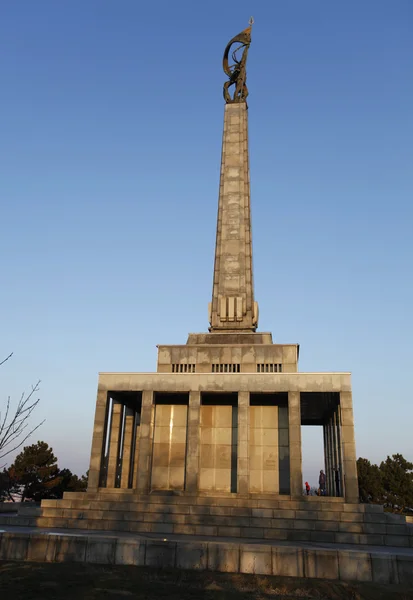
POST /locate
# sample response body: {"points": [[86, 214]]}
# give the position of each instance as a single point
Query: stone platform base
{"points": [[383, 566], [312, 519]]}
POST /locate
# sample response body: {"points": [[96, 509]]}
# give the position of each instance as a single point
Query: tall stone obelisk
{"points": [[233, 307]]}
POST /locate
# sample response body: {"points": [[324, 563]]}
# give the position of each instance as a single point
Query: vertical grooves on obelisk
{"points": [[232, 304]]}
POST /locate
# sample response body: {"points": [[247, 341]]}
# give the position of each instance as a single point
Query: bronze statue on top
{"points": [[237, 72]]}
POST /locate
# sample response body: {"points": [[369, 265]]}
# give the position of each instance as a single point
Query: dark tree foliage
{"points": [[390, 484], [35, 475], [397, 478], [370, 481], [8, 486], [36, 471]]}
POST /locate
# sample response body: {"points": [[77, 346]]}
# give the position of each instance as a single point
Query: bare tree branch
{"points": [[13, 427], [6, 359]]}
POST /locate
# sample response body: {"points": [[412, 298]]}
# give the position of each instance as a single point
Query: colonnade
{"points": [[123, 444]]}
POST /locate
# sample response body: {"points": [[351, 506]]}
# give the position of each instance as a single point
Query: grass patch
{"points": [[80, 581]]}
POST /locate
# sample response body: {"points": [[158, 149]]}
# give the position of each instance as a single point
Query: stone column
{"points": [[146, 442], [136, 457], [193, 442], [127, 445], [243, 442], [348, 448], [340, 453], [98, 440], [294, 420], [326, 457], [331, 473], [335, 458], [114, 443]]}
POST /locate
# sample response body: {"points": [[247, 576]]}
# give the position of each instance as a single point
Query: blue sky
{"points": [[110, 134]]}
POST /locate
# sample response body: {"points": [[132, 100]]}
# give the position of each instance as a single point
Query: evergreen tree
{"points": [[36, 471], [397, 477], [370, 481]]}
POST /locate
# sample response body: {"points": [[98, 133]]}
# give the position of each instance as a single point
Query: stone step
{"points": [[373, 539], [228, 511], [331, 504], [267, 518]]}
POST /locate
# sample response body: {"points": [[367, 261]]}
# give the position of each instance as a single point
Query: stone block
{"points": [[220, 510], [275, 534], [49, 503], [375, 518], [306, 514], [287, 562], [255, 559], [371, 539], [229, 531], [351, 527], [299, 536], [200, 510], [101, 550], [256, 522], [14, 546], [322, 536], [374, 528], [322, 564], [206, 530], [42, 548], [70, 549], [306, 525], [354, 566], [191, 556], [401, 541], [161, 527], [283, 514], [370, 508], [223, 557], [347, 538], [185, 529], [328, 516], [240, 512], [405, 570], [327, 526], [384, 568], [397, 529], [160, 554], [353, 508], [352, 517], [252, 532]]}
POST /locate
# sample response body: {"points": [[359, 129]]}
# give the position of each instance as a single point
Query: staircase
{"points": [[311, 519]]}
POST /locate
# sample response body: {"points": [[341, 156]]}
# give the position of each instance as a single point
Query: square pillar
{"points": [[330, 487], [145, 443], [136, 456], [340, 452], [193, 443], [294, 422], [243, 442], [127, 445], [348, 448], [336, 460], [326, 455], [117, 413], [98, 440]]}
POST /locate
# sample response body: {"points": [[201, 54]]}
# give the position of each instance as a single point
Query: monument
{"points": [[210, 443], [208, 448], [223, 413]]}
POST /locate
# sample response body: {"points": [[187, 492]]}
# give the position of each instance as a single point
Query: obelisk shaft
{"points": [[233, 306]]}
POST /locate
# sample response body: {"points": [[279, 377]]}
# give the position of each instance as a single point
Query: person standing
{"points": [[307, 488], [322, 483], [337, 480]]}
